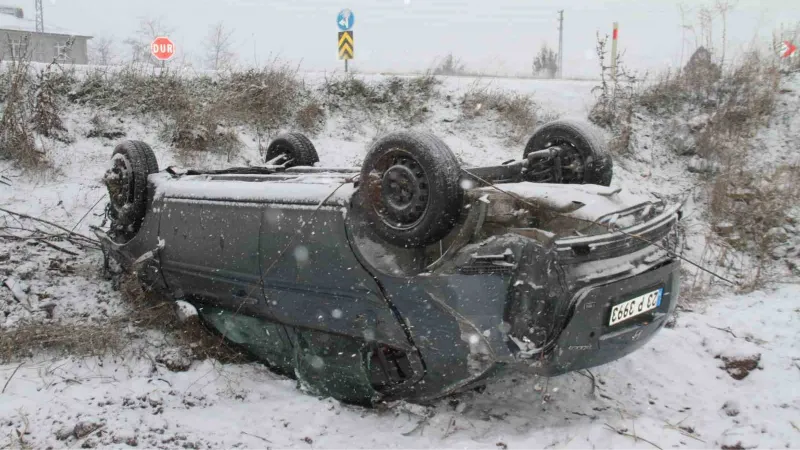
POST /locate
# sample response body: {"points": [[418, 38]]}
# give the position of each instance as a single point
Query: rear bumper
{"points": [[587, 340]]}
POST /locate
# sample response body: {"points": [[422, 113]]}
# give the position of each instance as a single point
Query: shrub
{"points": [[402, 99], [749, 209], [517, 112], [16, 134], [266, 99], [450, 65]]}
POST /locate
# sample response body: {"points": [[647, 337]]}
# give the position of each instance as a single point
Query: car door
{"points": [[211, 242], [311, 277]]}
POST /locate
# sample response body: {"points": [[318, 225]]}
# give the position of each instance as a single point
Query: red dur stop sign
{"points": [[162, 48]]}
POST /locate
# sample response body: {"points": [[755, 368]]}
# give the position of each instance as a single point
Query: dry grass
{"points": [[28, 339], [311, 116], [17, 141], [201, 113], [748, 209], [148, 311], [517, 112], [403, 101], [712, 112], [267, 98], [617, 99], [153, 311]]}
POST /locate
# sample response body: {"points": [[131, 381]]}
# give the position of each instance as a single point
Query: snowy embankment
{"points": [[674, 392]]}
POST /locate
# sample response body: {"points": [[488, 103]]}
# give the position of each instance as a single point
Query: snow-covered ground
{"points": [[671, 393]]}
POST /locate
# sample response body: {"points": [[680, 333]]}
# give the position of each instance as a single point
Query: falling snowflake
{"points": [[316, 362], [504, 327], [466, 184], [272, 216], [369, 335], [301, 253], [336, 313]]}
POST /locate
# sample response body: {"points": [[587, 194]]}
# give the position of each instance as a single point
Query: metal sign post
{"points": [[345, 21]]}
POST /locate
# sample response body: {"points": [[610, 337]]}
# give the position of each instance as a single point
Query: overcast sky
{"points": [[497, 35]]}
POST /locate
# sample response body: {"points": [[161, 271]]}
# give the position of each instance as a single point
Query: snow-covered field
{"points": [[674, 392]]}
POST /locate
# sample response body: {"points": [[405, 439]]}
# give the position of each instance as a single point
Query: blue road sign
{"points": [[345, 19]]}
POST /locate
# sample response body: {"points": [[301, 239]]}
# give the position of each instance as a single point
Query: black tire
{"points": [[410, 188], [130, 205], [589, 146], [297, 145]]}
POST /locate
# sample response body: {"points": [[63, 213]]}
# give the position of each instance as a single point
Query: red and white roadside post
{"points": [[162, 48], [614, 52], [787, 50]]}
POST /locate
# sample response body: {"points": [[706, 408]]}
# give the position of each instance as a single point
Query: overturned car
{"points": [[410, 277]]}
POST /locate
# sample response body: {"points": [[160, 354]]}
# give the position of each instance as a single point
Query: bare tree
{"points": [[684, 26], [149, 29], [101, 51], [706, 19], [723, 6], [218, 53]]}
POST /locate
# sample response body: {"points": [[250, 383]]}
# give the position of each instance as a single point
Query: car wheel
{"points": [[297, 148], [410, 186], [126, 181], [583, 156]]}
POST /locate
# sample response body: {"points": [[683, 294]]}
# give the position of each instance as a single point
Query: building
{"points": [[18, 37]]}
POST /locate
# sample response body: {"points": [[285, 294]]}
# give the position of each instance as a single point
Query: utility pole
{"points": [[39, 17], [561, 44]]}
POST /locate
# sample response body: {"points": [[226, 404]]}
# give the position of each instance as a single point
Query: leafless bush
{"points": [[311, 116], [514, 110], [16, 134], [617, 97], [749, 209], [741, 102], [266, 98], [450, 65], [405, 100], [51, 85]]}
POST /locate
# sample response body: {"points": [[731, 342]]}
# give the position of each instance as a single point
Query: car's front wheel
{"points": [[410, 186]]}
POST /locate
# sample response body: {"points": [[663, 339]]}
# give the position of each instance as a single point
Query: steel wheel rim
{"points": [[399, 190]]}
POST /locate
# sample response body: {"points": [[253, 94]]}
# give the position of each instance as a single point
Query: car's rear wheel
{"points": [[410, 187], [579, 154], [126, 181], [296, 148]]}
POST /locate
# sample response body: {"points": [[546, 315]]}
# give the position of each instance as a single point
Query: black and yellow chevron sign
{"points": [[346, 45]]}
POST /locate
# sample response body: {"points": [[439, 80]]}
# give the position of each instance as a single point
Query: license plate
{"points": [[635, 306]]}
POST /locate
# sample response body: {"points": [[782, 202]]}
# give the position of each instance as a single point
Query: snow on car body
{"points": [[327, 275]]}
